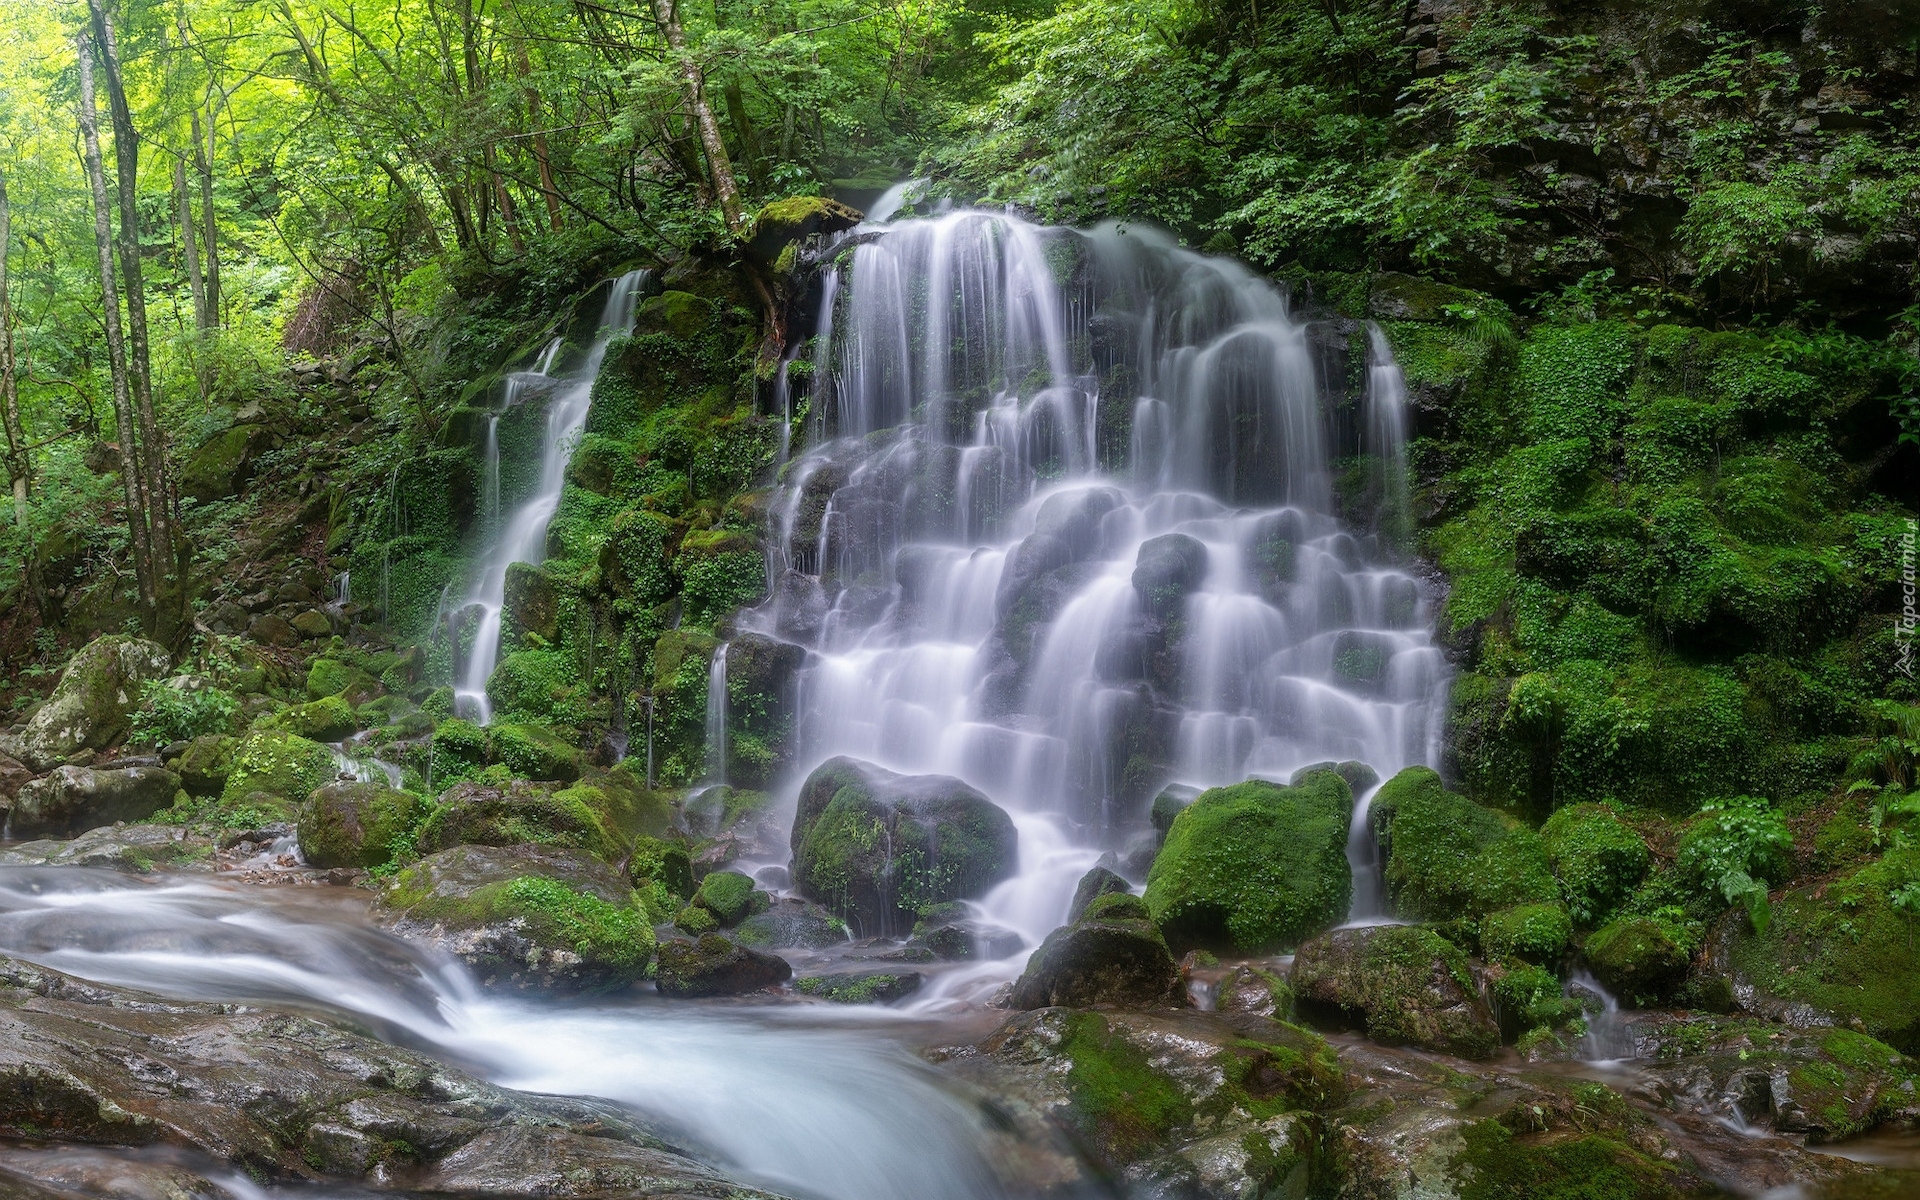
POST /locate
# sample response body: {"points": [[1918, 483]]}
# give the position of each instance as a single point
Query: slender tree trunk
{"points": [[743, 129], [534, 116], [153, 452], [209, 223], [190, 245], [19, 466], [130, 475], [725, 190]]}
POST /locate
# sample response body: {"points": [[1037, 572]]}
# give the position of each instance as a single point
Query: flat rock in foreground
{"points": [[290, 1098]]}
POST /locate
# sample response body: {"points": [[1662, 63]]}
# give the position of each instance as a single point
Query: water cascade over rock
{"points": [[1067, 532]]}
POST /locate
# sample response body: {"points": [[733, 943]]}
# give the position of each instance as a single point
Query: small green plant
{"points": [[1737, 848], [170, 714]]}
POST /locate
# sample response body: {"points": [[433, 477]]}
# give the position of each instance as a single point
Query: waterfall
{"points": [[1386, 436], [716, 728], [1066, 531], [490, 464], [523, 535]]}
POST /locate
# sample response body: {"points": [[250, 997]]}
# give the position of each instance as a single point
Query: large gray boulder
{"points": [[1112, 956], [75, 798], [876, 848], [92, 706]]}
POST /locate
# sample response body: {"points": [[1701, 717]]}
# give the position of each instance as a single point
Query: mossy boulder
{"points": [[860, 987], [458, 746], [730, 897], [715, 965], [72, 799], [1445, 856], [281, 765], [532, 601], [92, 706], [224, 463], [792, 924], [204, 764], [523, 917], [1839, 947], [357, 824], [1094, 884], [787, 221], [663, 867], [1112, 955], [761, 692], [1406, 986], [519, 813], [1255, 867], [875, 847], [332, 677], [1596, 857], [534, 751], [325, 720], [1534, 933], [1639, 959]]}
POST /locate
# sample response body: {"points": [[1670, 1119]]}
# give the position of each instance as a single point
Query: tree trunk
{"points": [[725, 190], [190, 246], [19, 466], [547, 189], [153, 454], [130, 475]]}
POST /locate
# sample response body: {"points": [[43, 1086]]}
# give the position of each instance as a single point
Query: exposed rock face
{"points": [[1255, 867], [1113, 955], [13, 775], [76, 798], [716, 966], [91, 707], [137, 849], [760, 697], [1094, 884], [792, 925], [876, 847], [294, 1098], [523, 917], [355, 824], [1405, 985]]}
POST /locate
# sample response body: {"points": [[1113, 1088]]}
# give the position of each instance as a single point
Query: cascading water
{"points": [[716, 727], [522, 537], [1067, 532]]}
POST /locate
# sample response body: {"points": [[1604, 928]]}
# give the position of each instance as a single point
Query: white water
{"points": [[996, 401], [803, 1101], [523, 535]]}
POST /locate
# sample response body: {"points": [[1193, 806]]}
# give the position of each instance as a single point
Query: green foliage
{"points": [[1448, 857], [716, 586], [595, 929], [1737, 847], [1598, 860], [169, 714]]}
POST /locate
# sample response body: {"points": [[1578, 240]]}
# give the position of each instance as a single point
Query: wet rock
{"points": [[875, 847], [1405, 986], [760, 697], [92, 706], [532, 601], [1248, 988], [1113, 955], [792, 925], [716, 966], [1167, 569], [730, 897], [136, 849], [1201, 1105], [857, 987], [523, 917], [204, 763], [13, 775], [1359, 775], [1094, 884], [297, 1098], [1255, 867], [282, 766], [355, 824], [1637, 958], [75, 798], [520, 813], [1168, 804]]}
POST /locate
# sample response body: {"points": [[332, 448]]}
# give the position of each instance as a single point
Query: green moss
{"points": [[696, 920], [1530, 998], [1598, 860], [595, 929], [1448, 857], [281, 765], [1255, 867], [1535, 933], [718, 585], [1496, 1164], [538, 685], [1117, 1096], [1641, 959], [325, 720], [533, 752]]}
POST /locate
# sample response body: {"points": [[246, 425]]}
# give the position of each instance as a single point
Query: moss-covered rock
{"points": [[532, 602], [875, 847], [520, 813], [716, 966], [326, 720], [1840, 947], [357, 825], [860, 987], [1406, 986], [92, 706], [760, 696], [730, 897], [786, 221], [1598, 860], [1639, 959], [1255, 867], [223, 464], [663, 868], [533, 751], [72, 799], [792, 924], [1445, 856], [331, 677], [1535, 933], [524, 917], [280, 765], [204, 764], [1112, 954]]}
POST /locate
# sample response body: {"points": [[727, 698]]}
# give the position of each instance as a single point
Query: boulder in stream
{"points": [[1406, 986], [715, 965], [524, 917], [76, 798], [876, 848], [355, 824], [1111, 955], [1255, 867], [518, 813]]}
